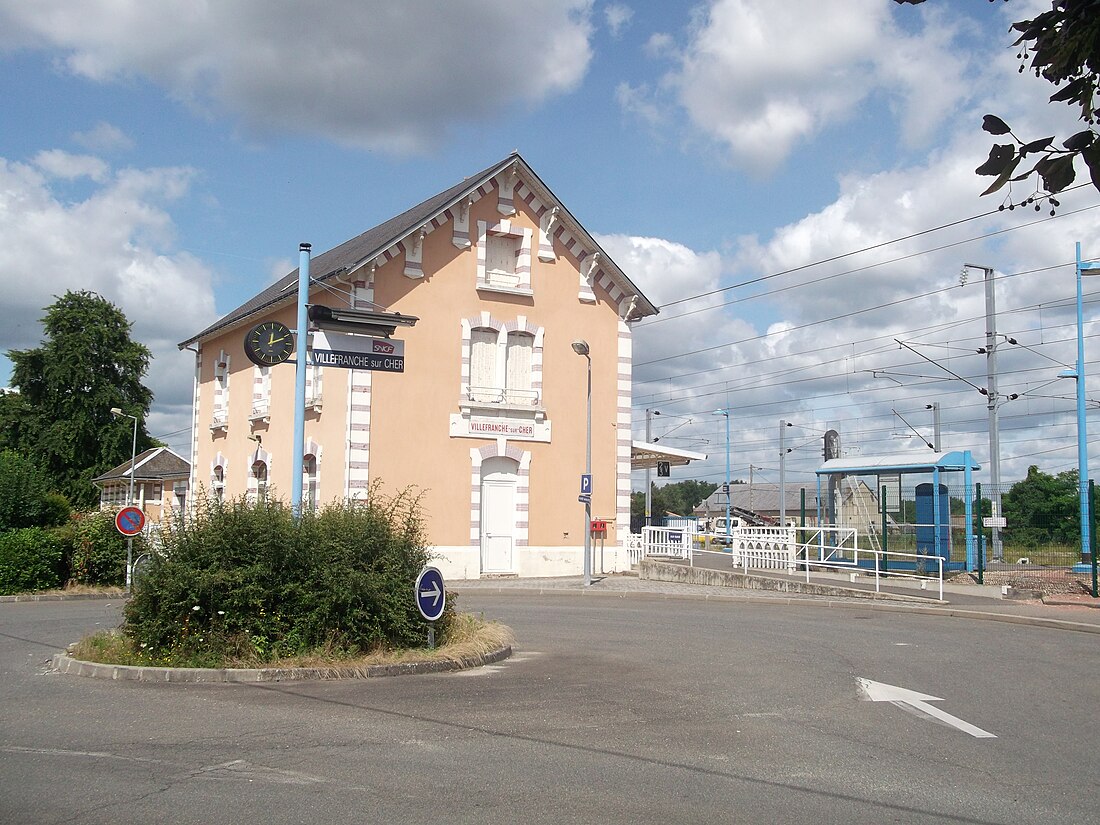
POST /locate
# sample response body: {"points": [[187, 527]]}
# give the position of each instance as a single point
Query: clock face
{"points": [[269, 343]]}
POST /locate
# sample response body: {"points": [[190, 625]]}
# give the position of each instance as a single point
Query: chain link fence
{"points": [[1024, 538]]}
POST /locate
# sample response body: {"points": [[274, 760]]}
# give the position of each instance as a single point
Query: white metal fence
{"points": [[829, 549]]}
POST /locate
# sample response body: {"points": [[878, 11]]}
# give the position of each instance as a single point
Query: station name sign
{"points": [[501, 426], [357, 352]]}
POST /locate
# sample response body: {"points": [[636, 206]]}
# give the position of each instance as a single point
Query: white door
{"points": [[498, 516]]}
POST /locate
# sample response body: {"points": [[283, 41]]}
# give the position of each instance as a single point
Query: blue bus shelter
{"points": [[932, 502]]}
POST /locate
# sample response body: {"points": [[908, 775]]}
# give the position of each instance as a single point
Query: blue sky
{"points": [[705, 144]]}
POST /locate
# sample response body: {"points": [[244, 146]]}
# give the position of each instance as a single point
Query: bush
{"points": [[246, 582], [25, 497], [30, 559], [99, 550]]}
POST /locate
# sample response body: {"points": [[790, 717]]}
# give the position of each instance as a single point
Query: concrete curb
{"points": [[769, 601], [63, 597], [64, 663]]}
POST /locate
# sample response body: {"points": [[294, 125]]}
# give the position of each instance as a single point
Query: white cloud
{"points": [[761, 78], [382, 75], [115, 241], [104, 138], [618, 17], [60, 164]]}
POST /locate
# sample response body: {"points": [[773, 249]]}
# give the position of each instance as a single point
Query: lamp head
{"points": [[580, 347], [115, 411]]}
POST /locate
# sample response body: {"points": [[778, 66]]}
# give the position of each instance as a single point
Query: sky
{"points": [[792, 183]]}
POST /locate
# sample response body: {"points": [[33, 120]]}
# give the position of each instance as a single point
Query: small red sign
{"points": [[130, 521]]}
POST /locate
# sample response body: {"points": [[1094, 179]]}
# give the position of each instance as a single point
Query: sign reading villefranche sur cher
{"points": [[357, 352]]}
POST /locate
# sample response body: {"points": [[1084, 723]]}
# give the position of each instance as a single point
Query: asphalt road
{"points": [[613, 710]]}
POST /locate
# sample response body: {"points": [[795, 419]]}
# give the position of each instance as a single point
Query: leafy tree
{"points": [[86, 365], [1063, 46], [1043, 509], [23, 493], [680, 498]]}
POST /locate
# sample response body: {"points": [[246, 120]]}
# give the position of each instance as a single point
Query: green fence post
{"points": [[1092, 537], [885, 540], [979, 533]]}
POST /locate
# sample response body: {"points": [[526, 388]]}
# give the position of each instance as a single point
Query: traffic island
{"points": [[65, 663]]}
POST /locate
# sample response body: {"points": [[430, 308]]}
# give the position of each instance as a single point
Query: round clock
{"points": [[269, 343]]}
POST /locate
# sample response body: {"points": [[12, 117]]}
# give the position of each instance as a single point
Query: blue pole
{"points": [[968, 484], [1082, 432], [300, 384]]}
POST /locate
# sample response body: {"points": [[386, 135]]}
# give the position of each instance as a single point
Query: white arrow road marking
{"points": [[878, 692], [435, 591]]}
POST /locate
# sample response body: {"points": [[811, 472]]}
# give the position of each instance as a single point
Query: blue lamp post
{"points": [[1082, 428]]}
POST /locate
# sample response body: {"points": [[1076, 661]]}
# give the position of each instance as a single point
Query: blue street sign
{"points": [[431, 597], [586, 484], [584, 498]]}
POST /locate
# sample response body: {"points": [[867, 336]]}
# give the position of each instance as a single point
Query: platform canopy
{"points": [[645, 456], [953, 461]]}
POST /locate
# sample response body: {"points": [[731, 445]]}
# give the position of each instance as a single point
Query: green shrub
{"points": [[25, 497], [247, 582], [99, 550], [30, 559]]}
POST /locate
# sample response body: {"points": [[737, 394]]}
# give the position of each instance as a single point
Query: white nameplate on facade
{"points": [[493, 427], [357, 352], [513, 428]]}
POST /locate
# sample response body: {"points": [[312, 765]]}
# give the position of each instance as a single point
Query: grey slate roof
{"points": [[764, 498], [367, 246], [157, 464]]}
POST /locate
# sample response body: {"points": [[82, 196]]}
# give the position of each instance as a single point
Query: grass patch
{"points": [[467, 636]]}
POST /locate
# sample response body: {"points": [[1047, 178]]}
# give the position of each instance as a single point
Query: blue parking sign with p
{"points": [[586, 484]]}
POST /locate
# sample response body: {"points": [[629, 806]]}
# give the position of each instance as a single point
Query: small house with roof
{"points": [[160, 476], [488, 419]]}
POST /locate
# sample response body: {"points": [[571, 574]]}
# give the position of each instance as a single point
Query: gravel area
{"points": [[1046, 582]]}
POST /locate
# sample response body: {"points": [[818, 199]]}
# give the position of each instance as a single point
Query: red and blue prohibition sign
{"points": [[130, 521]]}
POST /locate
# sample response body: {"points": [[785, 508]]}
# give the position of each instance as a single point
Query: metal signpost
{"points": [[431, 598], [130, 521]]}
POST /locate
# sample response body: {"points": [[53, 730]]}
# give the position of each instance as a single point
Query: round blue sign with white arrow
{"points": [[431, 597]]}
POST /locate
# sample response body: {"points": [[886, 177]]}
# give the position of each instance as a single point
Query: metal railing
{"points": [[503, 395]]}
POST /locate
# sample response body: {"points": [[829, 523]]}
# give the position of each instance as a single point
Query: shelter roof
{"points": [[952, 461], [644, 455]]}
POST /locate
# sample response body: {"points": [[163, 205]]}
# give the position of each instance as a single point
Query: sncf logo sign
{"points": [[383, 347]]}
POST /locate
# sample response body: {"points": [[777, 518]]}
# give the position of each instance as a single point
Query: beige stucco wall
{"points": [[410, 413]]}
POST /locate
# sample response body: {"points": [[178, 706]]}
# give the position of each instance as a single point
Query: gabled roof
{"points": [[760, 498], [365, 248], [157, 464]]}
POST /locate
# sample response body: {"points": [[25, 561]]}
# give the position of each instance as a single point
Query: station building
{"points": [[488, 419]]}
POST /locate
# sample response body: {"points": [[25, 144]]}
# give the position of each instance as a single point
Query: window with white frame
{"points": [[309, 481], [517, 379], [483, 365], [259, 473], [505, 362], [220, 417], [500, 260], [504, 257], [219, 483]]}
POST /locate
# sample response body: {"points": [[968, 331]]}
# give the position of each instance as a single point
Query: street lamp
{"points": [[581, 348], [648, 483], [1082, 430], [117, 413], [726, 413]]}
